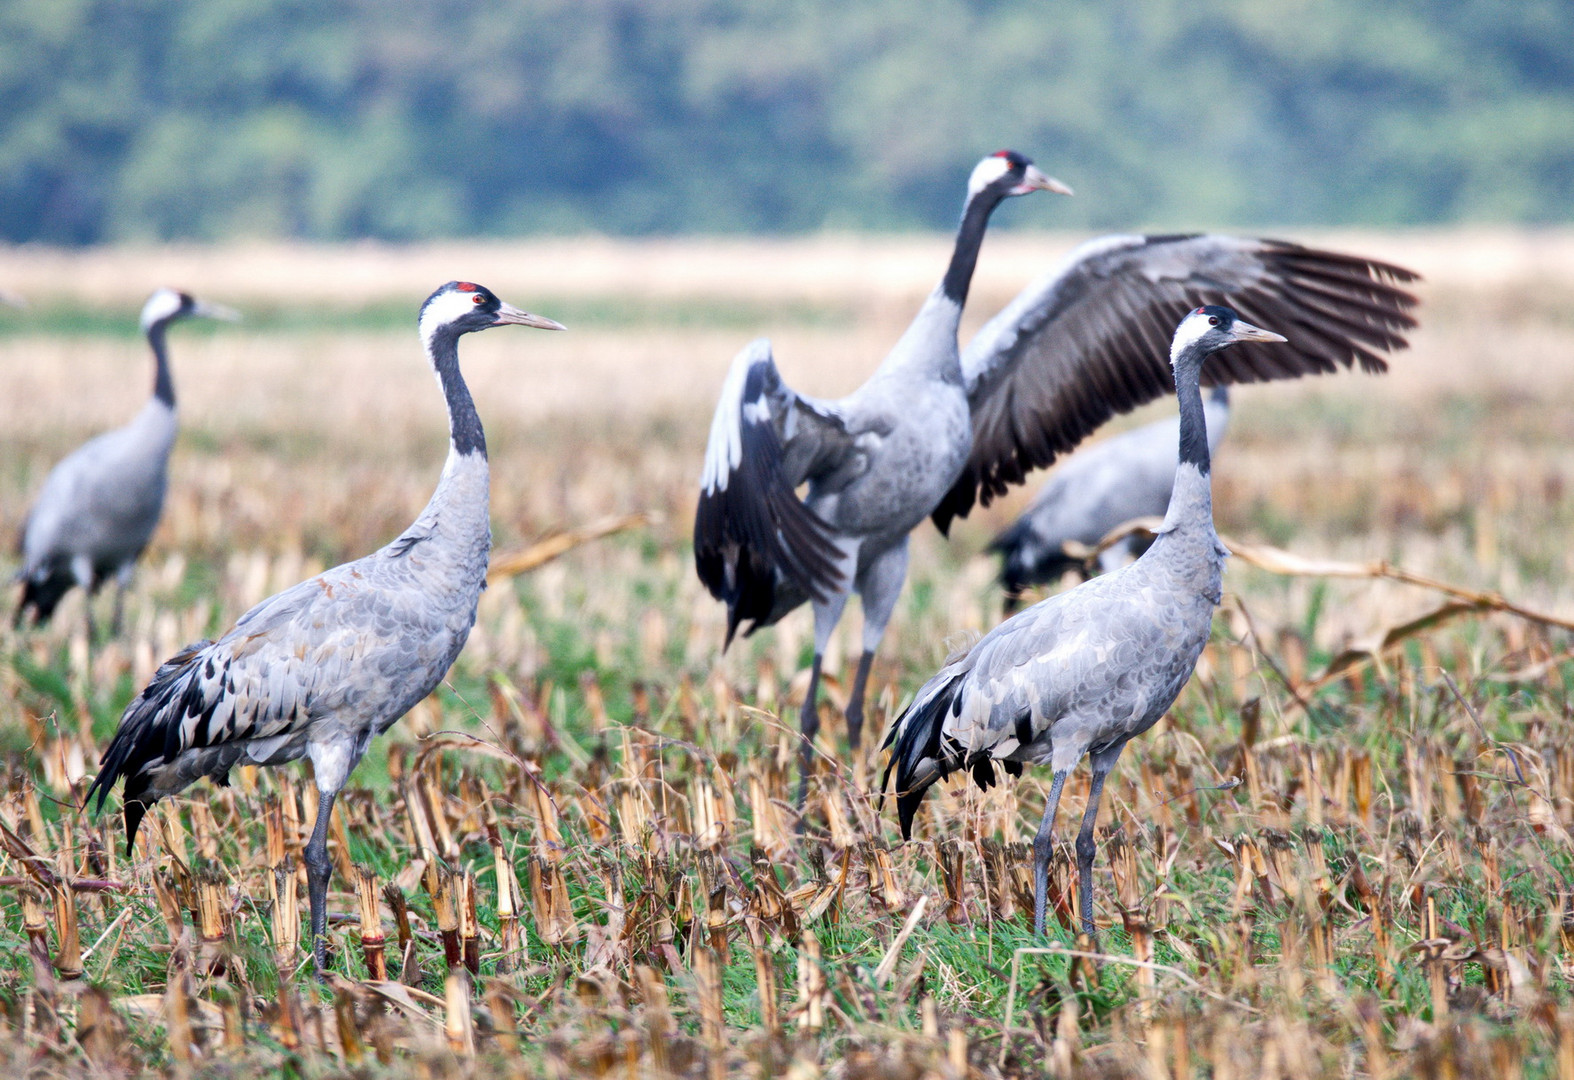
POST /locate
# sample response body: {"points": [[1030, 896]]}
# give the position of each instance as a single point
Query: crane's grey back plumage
{"points": [[321, 669], [99, 506], [1096, 490]]}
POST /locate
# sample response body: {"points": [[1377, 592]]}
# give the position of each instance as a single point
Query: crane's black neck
{"points": [[163, 381], [1193, 423], [464, 425], [969, 238]]}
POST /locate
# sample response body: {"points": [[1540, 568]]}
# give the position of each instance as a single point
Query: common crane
{"points": [[99, 506], [1096, 490], [320, 669], [1086, 670], [935, 429]]}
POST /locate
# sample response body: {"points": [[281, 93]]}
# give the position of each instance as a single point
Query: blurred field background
{"points": [[1379, 887]]}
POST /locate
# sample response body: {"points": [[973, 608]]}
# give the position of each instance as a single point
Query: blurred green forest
{"points": [[332, 119]]}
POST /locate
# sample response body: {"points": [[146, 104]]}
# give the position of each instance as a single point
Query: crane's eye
{"points": [[1213, 320], [479, 299]]}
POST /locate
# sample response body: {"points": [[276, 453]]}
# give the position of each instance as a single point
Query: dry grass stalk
{"points": [[767, 794], [165, 890], [707, 992], [35, 924], [286, 914], [393, 896], [212, 924], [883, 887], [458, 1025], [952, 863], [812, 993], [440, 887], [101, 1033], [273, 824], [550, 903], [659, 1025], [509, 901], [764, 978], [708, 833], [469, 921], [553, 547], [177, 1023], [373, 941], [500, 1004], [837, 826], [349, 1029]]}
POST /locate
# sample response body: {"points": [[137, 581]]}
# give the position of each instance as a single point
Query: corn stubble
{"points": [[583, 859]]}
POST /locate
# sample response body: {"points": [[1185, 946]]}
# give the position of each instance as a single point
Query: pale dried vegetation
{"points": [[580, 858]]}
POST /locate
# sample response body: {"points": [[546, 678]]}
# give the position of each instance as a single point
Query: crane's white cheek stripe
{"points": [[1190, 329], [986, 172], [444, 309], [161, 305]]}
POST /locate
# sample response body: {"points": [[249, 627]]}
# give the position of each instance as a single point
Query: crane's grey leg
{"points": [[82, 571], [1102, 762], [122, 583], [1043, 844], [318, 868], [826, 616], [880, 584]]}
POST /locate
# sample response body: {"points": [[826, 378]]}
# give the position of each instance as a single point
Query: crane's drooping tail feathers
{"points": [[149, 734], [750, 525], [914, 741], [42, 595]]}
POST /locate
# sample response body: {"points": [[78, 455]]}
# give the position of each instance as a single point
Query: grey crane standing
{"points": [[1097, 490], [98, 508], [1086, 670], [320, 669], [934, 428]]}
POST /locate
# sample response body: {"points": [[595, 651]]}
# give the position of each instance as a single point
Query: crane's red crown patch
{"points": [[467, 286]]}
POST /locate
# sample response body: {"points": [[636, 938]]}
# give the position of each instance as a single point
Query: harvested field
{"points": [[1346, 852]]}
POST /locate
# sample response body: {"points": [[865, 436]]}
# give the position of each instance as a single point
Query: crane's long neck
{"points": [[928, 346], [459, 511], [969, 238], [1191, 499], [163, 381], [465, 436]]}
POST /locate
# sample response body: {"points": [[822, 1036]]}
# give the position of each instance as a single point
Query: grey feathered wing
{"points": [[756, 544], [1091, 339]]}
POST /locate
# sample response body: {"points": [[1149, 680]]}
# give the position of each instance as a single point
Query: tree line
{"points": [[332, 119]]}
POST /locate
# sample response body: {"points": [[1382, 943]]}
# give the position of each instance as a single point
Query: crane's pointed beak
{"points": [[1245, 331], [1034, 180], [215, 311], [509, 315]]}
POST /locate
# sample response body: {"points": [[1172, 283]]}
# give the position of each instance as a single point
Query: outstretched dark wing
{"points": [[1091, 339], [751, 532]]}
